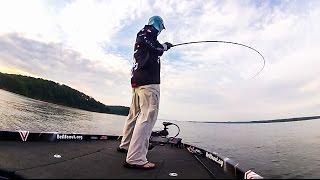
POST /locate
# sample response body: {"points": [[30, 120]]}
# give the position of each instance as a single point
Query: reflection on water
{"points": [[21, 113], [277, 150]]}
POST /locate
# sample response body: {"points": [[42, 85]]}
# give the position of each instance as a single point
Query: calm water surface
{"points": [[275, 150]]}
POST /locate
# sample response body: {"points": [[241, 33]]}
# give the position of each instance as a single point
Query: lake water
{"points": [[275, 150]]}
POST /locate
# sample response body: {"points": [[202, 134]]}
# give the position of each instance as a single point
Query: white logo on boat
{"points": [[194, 150], [104, 137], [69, 137], [251, 175], [94, 137], [214, 158], [24, 135]]}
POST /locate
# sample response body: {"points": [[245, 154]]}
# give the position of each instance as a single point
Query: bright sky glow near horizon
{"points": [[88, 45]]}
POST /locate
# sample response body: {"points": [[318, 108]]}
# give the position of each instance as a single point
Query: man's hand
{"points": [[167, 46]]}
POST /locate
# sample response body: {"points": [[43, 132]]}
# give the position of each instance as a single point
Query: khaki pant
{"points": [[140, 122]]}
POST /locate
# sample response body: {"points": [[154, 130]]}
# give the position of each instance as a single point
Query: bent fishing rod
{"points": [[228, 42]]}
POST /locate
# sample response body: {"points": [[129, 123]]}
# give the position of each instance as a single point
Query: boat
{"points": [[53, 155]]}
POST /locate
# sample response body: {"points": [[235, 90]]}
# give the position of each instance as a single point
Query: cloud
{"points": [[223, 71], [28, 18], [92, 42], [55, 62]]}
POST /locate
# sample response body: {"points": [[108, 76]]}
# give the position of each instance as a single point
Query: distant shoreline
{"points": [[263, 121], [56, 93], [64, 106]]}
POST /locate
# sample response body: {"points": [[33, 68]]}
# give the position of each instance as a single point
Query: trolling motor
{"points": [[161, 137], [163, 132]]}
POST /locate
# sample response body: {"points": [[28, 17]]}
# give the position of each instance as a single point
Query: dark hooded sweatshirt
{"points": [[147, 52]]}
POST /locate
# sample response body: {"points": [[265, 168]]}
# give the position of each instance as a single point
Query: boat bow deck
{"points": [[94, 159]]}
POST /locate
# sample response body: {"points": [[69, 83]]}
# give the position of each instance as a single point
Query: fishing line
{"points": [[228, 42]]}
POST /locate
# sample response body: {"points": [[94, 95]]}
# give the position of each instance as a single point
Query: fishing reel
{"points": [[161, 137]]}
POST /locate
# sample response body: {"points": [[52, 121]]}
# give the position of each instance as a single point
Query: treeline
{"points": [[52, 92]]}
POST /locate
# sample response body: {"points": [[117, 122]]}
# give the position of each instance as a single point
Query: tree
{"points": [[50, 91]]}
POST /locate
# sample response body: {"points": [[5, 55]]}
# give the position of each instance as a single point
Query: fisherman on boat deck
{"points": [[145, 82]]}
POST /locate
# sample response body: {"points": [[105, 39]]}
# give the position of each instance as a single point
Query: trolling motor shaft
{"points": [[161, 137]]}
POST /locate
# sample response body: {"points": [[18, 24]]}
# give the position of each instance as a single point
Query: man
{"points": [[145, 81]]}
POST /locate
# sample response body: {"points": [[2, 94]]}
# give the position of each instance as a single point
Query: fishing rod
{"points": [[228, 42]]}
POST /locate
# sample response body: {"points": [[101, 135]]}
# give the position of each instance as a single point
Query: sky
{"points": [[88, 45]]}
